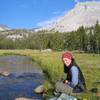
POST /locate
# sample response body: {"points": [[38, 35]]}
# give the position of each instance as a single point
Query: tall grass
{"points": [[52, 66]]}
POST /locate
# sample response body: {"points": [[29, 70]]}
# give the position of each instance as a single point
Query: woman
{"points": [[74, 81]]}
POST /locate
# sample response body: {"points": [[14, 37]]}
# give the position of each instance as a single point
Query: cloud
{"points": [[46, 22], [76, 1], [57, 14]]}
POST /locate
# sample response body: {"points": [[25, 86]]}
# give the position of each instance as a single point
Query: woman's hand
{"points": [[65, 81]]}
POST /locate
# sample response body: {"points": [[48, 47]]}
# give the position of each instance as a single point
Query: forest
{"points": [[83, 39]]}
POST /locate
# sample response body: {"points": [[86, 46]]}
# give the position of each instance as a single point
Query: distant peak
{"points": [[4, 27]]}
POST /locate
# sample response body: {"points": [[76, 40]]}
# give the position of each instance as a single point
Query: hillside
{"points": [[84, 13]]}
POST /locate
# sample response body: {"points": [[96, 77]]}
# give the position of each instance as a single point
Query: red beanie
{"points": [[67, 55]]}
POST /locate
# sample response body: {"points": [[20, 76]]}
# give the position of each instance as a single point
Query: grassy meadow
{"points": [[52, 66]]}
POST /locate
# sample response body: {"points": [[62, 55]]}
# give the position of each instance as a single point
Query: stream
{"points": [[25, 75]]}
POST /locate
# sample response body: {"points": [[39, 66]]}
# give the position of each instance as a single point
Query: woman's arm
{"points": [[74, 73]]}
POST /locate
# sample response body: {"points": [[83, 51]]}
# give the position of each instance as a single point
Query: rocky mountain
{"points": [[4, 27], [84, 13]]}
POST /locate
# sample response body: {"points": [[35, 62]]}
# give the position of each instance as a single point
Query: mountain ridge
{"points": [[83, 14]]}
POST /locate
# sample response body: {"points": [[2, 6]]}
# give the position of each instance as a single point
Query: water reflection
{"points": [[18, 64]]}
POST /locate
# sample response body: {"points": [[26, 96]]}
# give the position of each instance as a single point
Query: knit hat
{"points": [[67, 55]]}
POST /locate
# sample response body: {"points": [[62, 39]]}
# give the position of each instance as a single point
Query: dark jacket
{"points": [[81, 86]]}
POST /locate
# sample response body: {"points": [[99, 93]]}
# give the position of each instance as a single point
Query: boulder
{"points": [[46, 50], [22, 98], [39, 89], [4, 73]]}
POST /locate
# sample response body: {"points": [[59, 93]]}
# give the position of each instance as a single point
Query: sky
{"points": [[33, 13]]}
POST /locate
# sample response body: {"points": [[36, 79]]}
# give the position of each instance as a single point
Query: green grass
{"points": [[52, 66]]}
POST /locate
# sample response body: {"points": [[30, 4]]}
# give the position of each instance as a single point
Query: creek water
{"points": [[25, 75]]}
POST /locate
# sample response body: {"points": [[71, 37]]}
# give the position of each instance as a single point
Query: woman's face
{"points": [[67, 61]]}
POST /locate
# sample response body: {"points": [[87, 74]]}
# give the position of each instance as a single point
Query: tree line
{"points": [[84, 39]]}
